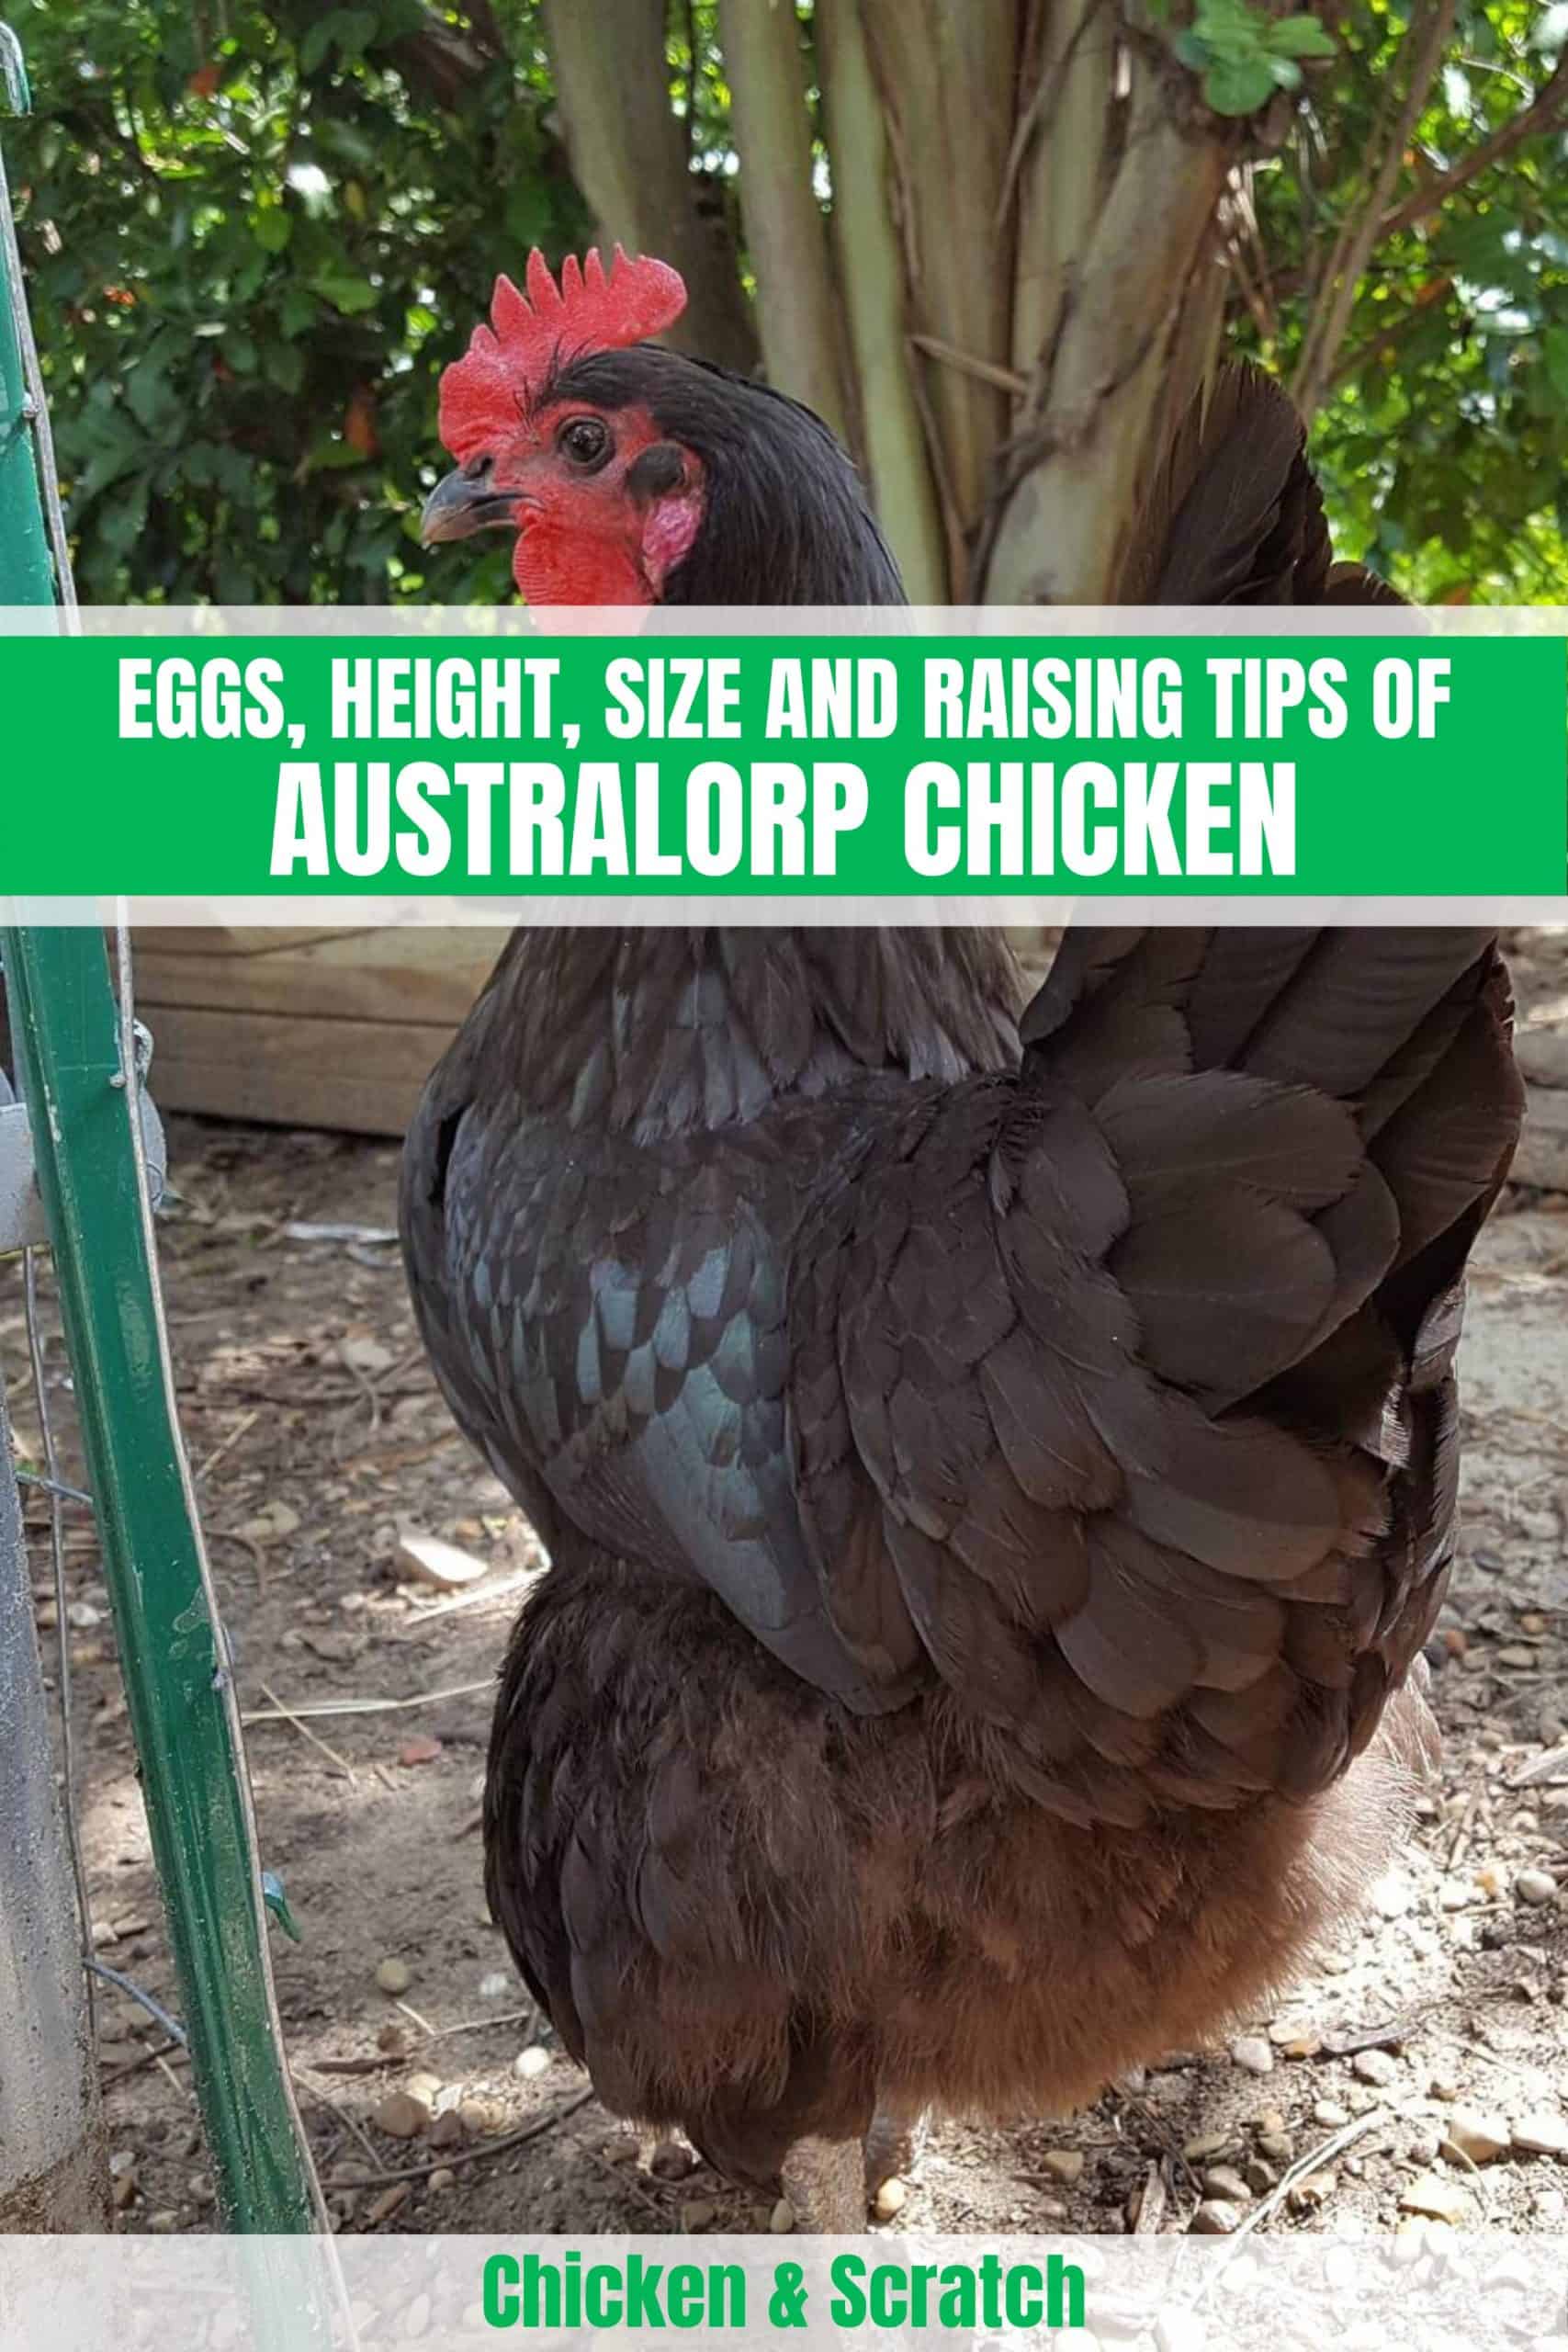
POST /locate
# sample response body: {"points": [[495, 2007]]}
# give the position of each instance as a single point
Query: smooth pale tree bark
{"points": [[628, 153], [786, 236], [1136, 305], [947, 80], [869, 268], [984, 240]]}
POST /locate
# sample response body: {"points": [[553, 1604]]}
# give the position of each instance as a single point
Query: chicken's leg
{"points": [[825, 2183], [895, 2143]]}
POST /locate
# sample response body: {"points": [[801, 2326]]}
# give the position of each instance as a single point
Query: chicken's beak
{"points": [[465, 503]]}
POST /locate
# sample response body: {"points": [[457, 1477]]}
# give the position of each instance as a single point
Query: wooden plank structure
{"points": [[305, 1028]]}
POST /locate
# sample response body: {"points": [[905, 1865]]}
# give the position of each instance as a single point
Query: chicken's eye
{"points": [[584, 441]]}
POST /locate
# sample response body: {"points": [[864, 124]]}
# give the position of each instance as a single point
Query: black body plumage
{"points": [[998, 1468]]}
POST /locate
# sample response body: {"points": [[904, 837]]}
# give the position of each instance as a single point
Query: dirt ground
{"points": [[321, 1447]]}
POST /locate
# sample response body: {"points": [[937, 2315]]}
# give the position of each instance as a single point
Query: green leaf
{"points": [[1239, 85], [346, 291], [286, 366], [323, 36], [1233, 23], [272, 228], [1555, 352], [1300, 37], [355, 27], [1286, 72], [148, 397], [1473, 245], [1192, 49], [297, 311]]}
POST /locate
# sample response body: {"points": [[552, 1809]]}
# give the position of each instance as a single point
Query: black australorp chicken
{"points": [[999, 1471]]}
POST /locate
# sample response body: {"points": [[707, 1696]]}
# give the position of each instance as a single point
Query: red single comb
{"points": [[592, 310]]}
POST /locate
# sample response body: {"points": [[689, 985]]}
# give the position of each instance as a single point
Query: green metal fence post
{"points": [[53, 2163], [27, 576], [66, 1032]]}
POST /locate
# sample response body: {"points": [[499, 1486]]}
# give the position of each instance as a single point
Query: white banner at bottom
{"points": [[1440, 2290]]}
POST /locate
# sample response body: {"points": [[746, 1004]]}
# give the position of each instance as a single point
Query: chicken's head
{"points": [[603, 504]]}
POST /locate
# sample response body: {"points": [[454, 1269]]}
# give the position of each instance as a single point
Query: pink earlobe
{"points": [[669, 532]]}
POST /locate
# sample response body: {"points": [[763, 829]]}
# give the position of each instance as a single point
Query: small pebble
{"points": [[1277, 2147], [1535, 1886], [891, 2200], [1259, 2177], [1313, 2191], [1207, 2144], [1179, 2330], [1064, 2164], [427, 1557], [531, 2063], [401, 2117], [394, 1976], [495, 1986], [1330, 2114], [447, 2132], [1253, 2053], [1376, 2066], [698, 2214], [1541, 2135], [381, 2209], [1476, 2137], [1214, 2219], [1409, 2243], [425, 2086], [1225, 2183], [780, 2221], [442, 2178], [1441, 2200]]}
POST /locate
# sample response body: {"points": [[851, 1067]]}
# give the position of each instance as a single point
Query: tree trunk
{"points": [[630, 157], [787, 235], [1020, 290], [869, 268], [1138, 292]]}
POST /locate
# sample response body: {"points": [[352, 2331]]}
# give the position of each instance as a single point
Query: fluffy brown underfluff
{"points": [[756, 1915]]}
